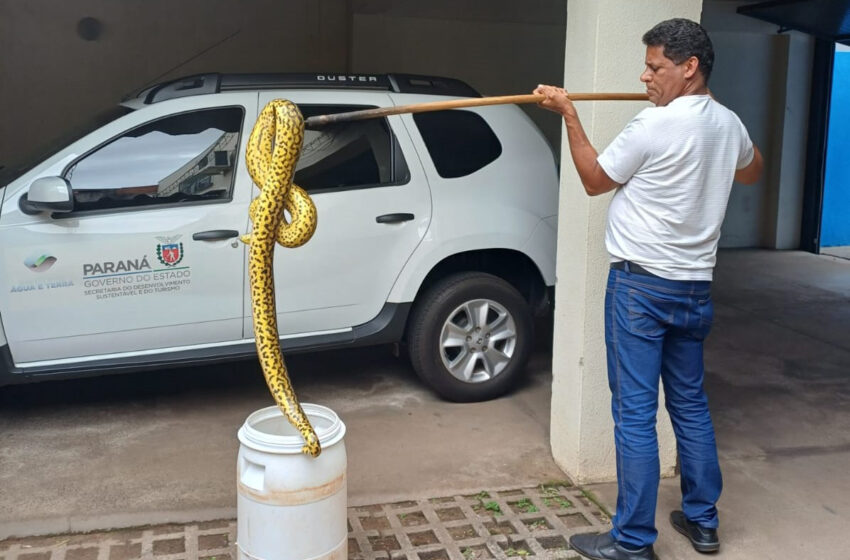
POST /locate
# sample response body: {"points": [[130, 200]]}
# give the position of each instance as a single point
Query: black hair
{"points": [[682, 39]]}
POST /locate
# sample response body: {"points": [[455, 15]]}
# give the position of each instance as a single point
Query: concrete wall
{"points": [[835, 230], [500, 47], [783, 232], [53, 81], [765, 78]]}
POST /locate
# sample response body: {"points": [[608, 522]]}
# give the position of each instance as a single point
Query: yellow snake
{"points": [[272, 153]]}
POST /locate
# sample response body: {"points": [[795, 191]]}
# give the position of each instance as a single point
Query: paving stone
{"points": [[413, 519], [87, 553], [377, 508], [422, 538], [444, 500], [167, 529], [450, 514], [169, 546], [434, 555], [217, 524], [385, 544], [462, 532], [125, 551], [207, 542], [536, 524], [499, 527], [399, 505], [476, 552], [520, 523], [35, 556], [554, 542], [370, 523]]}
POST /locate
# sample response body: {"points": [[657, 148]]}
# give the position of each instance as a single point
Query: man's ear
{"points": [[691, 67]]}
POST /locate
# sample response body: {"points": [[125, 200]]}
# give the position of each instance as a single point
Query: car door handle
{"points": [[394, 218], [215, 234]]}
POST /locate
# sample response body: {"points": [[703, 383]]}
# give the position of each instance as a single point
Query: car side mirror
{"points": [[51, 194]]}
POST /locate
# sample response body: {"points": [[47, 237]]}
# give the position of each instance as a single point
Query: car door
{"points": [[373, 206], [148, 260]]}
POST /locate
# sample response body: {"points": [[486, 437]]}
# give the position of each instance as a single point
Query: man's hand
{"points": [[593, 177], [556, 100]]}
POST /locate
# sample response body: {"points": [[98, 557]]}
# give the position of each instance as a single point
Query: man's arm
{"points": [[584, 155], [751, 173]]}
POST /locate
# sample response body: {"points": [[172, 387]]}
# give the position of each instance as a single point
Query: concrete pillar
{"points": [[788, 204], [604, 53]]}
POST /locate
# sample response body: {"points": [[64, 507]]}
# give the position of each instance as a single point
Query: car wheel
{"points": [[470, 336]]}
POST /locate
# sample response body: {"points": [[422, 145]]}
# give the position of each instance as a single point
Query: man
{"points": [[672, 168]]}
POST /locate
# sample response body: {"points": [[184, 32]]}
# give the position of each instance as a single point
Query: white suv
{"points": [[436, 230]]}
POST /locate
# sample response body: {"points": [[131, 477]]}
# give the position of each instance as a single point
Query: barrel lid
{"points": [[268, 429]]}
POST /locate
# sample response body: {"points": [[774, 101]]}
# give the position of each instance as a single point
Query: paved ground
{"points": [[778, 380], [841, 252], [778, 383], [520, 523], [160, 447]]}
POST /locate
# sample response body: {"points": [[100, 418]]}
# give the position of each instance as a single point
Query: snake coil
{"points": [[272, 154]]}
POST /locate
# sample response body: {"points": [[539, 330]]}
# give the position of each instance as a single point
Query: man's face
{"points": [[664, 79]]}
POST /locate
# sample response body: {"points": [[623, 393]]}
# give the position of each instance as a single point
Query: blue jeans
{"points": [[655, 328]]}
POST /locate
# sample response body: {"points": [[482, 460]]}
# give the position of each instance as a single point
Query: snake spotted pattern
{"points": [[272, 153]]}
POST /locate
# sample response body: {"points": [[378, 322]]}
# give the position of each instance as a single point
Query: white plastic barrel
{"points": [[291, 506]]}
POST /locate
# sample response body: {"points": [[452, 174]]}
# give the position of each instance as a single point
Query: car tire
{"points": [[470, 336]]}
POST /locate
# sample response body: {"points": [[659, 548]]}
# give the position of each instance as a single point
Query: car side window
{"points": [[356, 154], [459, 142], [183, 158]]}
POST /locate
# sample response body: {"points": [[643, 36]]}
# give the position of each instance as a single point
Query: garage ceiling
{"points": [[826, 19]]}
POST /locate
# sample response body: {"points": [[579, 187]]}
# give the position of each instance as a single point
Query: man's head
{"points": [[679, 59]]}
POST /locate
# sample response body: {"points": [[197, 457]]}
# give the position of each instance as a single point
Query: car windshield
{"points": [[11, 170]]}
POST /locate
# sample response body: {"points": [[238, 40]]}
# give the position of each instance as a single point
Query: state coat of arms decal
{"points": [[169, 251]]}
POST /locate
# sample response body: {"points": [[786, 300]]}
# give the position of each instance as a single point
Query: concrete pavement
{"points": [[160, 447], [778, 382], [778, 379], [519, 523]]}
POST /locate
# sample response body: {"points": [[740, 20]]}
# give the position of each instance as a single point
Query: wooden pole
{"points": [[320, 120]]}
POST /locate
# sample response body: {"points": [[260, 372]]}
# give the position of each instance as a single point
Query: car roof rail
{"points": [[201, 84]]}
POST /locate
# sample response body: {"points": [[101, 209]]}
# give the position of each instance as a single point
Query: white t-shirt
{"points": [[676, 165]]}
